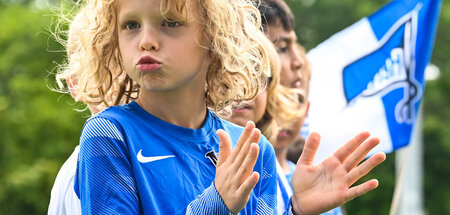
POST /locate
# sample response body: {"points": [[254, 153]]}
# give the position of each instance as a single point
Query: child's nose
{"points": [[149, 41], [297, 61]]}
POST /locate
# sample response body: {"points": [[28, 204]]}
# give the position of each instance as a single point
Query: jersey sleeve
{"points": [[104, 179], [209, 202]]}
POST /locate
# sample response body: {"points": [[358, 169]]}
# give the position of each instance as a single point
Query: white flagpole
{"points": [[400, 174], [408, 193]]}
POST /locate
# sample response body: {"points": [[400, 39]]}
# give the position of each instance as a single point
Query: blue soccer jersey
{"points": [[131, 162]]}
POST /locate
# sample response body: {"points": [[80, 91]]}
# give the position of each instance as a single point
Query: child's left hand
{"points": [[235, 178], [319, 188]]}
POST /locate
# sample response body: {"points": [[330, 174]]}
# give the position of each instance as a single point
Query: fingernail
{"points": [[249, 122], [255, 132]]}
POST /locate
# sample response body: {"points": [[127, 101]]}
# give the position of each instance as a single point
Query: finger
{"points": [[310, 149], [360, 153], [224, 146], [250, 160], [254, 137], [246, 188], [343, 152], [242, 139], [364, 168], [361, 189]]}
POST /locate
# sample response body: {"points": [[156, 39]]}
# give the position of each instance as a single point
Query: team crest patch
{"points": [[212, 156]]}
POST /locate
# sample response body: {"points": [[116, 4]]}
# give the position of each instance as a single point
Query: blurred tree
{"points": [[38, 127], [316, 21], [436, 123]]}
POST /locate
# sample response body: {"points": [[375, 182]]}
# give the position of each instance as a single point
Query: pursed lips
{"points": [[148, 64]]}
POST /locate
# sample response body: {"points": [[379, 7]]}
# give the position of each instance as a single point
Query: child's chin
{"points": [[238, 121]]}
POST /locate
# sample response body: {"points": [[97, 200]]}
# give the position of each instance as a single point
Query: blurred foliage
{"points": [[316, 21], [39, 128]]}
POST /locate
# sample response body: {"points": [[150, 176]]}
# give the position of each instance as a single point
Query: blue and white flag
{"points": [[370, 76]]}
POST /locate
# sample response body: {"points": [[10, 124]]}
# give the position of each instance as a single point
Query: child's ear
{"points": [[71, 82]]}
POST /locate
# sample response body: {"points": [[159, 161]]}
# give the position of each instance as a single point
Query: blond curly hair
{"points": [[94, 61]]}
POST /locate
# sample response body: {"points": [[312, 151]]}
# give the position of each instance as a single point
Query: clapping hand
{"points": [[235, 178], [319, 188]]}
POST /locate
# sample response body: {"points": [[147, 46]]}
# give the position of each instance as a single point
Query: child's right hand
{"points": [[235, 178]]}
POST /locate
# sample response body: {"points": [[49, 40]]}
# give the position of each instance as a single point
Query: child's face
{"points": [[253, 110], [287, 134], [285, 42], [291, 75], [161, 54]]}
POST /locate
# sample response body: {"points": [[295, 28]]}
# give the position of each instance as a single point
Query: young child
{"points": [[145, 154], [275, 107], [171, 61], [63, 199], [278, 22]]}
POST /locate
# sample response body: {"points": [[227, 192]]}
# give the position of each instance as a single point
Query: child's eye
{"points": [[282, 46], [132, 25], [170, 23]]}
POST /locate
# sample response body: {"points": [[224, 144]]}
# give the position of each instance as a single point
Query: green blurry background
{"points": [[39, 128]]}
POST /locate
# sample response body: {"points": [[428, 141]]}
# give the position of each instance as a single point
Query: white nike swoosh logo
{"points": [[143, 159]]}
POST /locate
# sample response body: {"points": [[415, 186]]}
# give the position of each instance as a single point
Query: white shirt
{"points": [[281, 208], [63, 199]]}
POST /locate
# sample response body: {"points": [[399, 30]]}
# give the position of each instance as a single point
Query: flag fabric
{"points": [[370, 76]]}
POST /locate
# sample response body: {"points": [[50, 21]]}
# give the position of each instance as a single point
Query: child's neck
{"points": [[282, 159], [183, 109]]}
